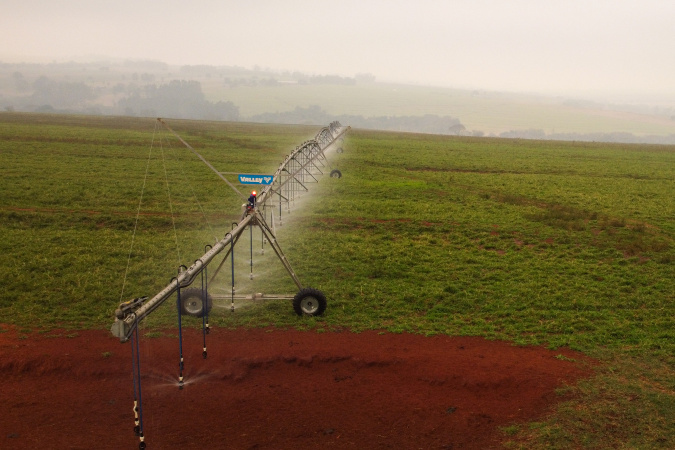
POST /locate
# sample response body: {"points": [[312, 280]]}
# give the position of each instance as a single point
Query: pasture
{"points": [[554, 244]]}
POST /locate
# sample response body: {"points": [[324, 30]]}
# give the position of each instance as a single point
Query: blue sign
{"points": [[255, 179]]}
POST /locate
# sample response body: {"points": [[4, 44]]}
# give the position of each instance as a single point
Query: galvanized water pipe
{"points": [[125, 325]]}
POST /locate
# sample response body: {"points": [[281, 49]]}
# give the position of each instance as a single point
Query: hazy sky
{"points": [[522, 45]]}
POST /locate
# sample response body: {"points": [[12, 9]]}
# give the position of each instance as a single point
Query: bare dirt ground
{"points": [[274, 389]]}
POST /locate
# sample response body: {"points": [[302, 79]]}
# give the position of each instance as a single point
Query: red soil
{"points": [[274, 389]]}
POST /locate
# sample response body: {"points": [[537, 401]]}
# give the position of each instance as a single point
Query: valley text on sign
{"points": [[255, 179]]}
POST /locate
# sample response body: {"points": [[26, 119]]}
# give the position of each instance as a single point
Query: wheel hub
{"points": [[309, 305]]}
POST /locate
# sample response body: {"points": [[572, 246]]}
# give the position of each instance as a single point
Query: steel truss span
{"points": [[302, 167], [299, 170]]}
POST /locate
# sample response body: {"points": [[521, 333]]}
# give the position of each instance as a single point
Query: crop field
{"points": [[545, 243]]}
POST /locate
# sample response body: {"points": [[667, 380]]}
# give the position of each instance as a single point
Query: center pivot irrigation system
{"points": [[296, 173]]}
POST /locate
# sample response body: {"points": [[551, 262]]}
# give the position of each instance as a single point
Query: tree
{"points": [[456, 128], [20, 82], [180, 99]]}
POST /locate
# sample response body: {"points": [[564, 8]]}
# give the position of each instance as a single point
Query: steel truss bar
{"points": [[258, 296], [297, 165], [124, 325], [222, 263], [260, 220], [297, 168], [313, 150]]}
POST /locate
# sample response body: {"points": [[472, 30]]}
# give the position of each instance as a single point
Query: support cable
{"points": [[138, 214], [192, 190], [235, 239], [202, 158], [168, 193]]}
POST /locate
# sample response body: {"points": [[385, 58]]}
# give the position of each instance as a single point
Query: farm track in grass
{"points": [[558, 244]]}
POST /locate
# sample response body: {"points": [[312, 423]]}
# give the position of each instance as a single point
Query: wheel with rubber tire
{"points": [[309, 302], [192, 302], [336, 174]]}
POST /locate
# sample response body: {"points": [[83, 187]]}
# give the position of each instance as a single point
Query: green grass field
{"points": [[534, 242]]}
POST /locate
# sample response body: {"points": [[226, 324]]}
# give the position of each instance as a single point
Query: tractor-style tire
{"points": [[309, 302], [335, 174], [192, 302]]}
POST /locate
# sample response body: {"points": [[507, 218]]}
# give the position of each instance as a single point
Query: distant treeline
{"points": [[314, 115], [620, 137], [294, 79], [178, 99]]}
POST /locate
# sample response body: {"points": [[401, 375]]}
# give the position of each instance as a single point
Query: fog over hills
{"points": [[152, 88]]}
